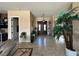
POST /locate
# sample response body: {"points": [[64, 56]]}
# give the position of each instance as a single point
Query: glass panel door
{"points": [[44, 27], [39, 27]]}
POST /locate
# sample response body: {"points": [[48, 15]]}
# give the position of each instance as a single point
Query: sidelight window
{"points": [[39, 27], [44, 27]]}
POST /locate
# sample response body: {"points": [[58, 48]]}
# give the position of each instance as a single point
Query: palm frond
{"points": [[65, 19]]}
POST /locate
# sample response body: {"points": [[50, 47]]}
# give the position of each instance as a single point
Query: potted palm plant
{"points": [[64, 26]]}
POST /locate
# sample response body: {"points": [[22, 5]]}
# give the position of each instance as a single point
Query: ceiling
{"points": [[37, 8]]}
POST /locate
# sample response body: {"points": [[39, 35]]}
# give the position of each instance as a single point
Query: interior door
{"points": [[45, 27], [42, 27], [14, 28]]}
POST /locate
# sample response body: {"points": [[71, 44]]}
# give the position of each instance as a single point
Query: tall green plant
{"points": [[64, 26]]}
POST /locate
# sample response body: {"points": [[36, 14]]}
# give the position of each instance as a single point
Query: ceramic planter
{"points": [[69, 52]]}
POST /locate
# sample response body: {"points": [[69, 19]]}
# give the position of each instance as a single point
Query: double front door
{"points": [[42, 27]]}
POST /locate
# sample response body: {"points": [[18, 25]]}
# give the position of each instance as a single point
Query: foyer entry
{"points": [[42, 27]]}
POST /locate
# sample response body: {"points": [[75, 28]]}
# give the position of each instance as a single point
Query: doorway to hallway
{"points": [[15, 28], [42, 27]]}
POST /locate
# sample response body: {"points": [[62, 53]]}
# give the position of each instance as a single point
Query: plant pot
{"points": [[22, 40], [70, 52]]}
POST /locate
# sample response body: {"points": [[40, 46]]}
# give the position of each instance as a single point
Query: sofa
{"points": [[7, 47]]}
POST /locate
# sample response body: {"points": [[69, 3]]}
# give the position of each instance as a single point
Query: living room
{"points": [[26, 28]]}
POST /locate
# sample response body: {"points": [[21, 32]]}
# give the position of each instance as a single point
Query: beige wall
{"points": [[53, 21], [75, 23], [24, 22], [75, 29], [75, 4], [32, 21]]}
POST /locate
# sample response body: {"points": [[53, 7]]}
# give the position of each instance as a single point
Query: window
{"points": [[39, 27], [44, 27]]}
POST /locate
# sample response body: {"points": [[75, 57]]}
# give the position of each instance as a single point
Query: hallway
{"points": [[47, 47]]}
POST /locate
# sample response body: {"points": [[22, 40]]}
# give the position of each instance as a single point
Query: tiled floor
{"points": [[47, 47]]}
